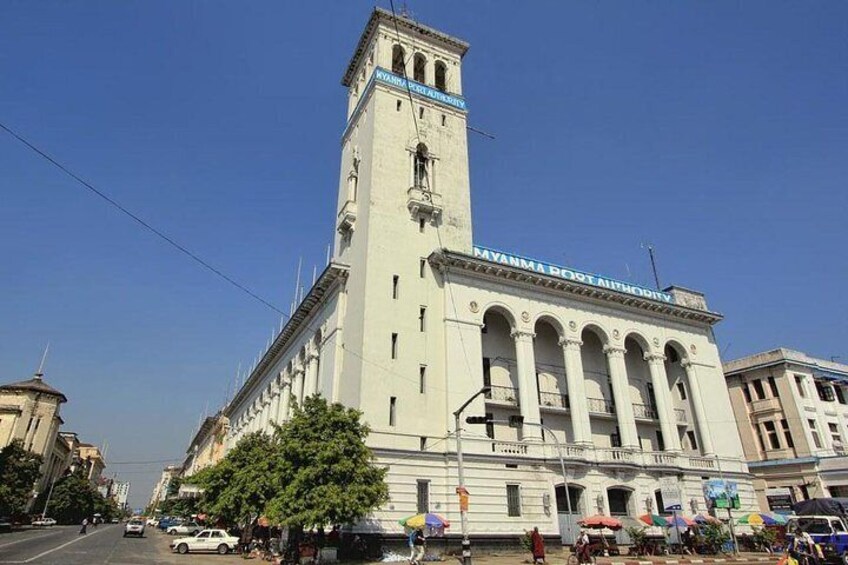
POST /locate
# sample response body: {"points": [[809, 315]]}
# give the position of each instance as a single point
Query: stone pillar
{"points": [[298, 386], [575, 382], [265, 414], [311, 386], [665, 407], [528, 391], [286, 400], [698, 408], [275, 403], [623, 401]]}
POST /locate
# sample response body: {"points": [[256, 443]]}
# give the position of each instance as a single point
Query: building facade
{"points": [[160, 489], [410, 319], [792, 412], [92, 462]]}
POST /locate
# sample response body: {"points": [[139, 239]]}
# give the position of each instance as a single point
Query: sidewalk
{"points": [[559, 557]]}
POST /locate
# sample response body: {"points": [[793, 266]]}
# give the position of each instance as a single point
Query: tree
{"points": [[238, 488], [19, 470], [328, 473], [75, 498]]}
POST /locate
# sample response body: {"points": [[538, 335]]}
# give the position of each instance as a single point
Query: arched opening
{"points": [[684, 416], [575, 497], [550, 366], [500, 371], [398, 60], [421, 177], [660, 508], [441, 76], [619, 501], [642, 394], [419, 68], [599, 398]]}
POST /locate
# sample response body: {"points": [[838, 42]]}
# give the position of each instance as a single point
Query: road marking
{"points": [[45, 534], [57, 548]]}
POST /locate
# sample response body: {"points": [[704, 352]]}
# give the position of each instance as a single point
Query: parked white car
{"points": [[153, 522], [206, 540], [187, 529], [44, 522]]}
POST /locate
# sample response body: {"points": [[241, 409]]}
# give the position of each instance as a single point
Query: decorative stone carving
{"points": [[656, 342], [616, 334], [474, 307], [693, 349], [572, 324], [525, 316]]}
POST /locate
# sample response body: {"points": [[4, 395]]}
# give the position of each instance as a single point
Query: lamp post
{"points": [[463, 511]]}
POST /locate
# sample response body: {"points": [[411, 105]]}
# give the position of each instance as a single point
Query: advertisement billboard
{"points": [[721, 494]]}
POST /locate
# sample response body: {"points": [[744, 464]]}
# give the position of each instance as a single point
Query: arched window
{"points": [[420, 172], [352, 182], [619, 501], [441, 76], [398, 61], [419, 69]]}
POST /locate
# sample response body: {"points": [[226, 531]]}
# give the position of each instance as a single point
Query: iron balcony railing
{"points": [[506, 394], [644, 411], [600, 406], [553, 400]]}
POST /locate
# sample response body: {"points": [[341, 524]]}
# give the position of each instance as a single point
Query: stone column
{"points": [[698, 408], [311, 386], [623, 401], [528, 391], [575, 381], [286, 400], [265, 415], [298, 386], [665, 407], [275, 403]]}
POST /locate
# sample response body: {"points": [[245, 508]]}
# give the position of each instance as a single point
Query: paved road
{"points": [[105, 544]]}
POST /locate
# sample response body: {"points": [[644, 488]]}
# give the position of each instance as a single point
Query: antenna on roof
{"points": [[297, 282], [40, 372], [650, 248]]}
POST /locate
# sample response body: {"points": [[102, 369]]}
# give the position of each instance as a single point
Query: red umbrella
{"points": [[598, 521]]}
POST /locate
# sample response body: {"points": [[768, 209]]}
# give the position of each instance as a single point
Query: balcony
{"points": [[644, 412], [421, 201], [553, 400], [503, 394], [347, 217], [600, 406]]}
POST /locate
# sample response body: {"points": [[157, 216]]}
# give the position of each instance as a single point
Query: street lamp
{"points": [[463, 510]]}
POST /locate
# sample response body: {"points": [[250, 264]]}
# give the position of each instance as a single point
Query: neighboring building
{"points": [[410, 319], [160, 490], [120, 492], [29, 411], [92, 462], [207, 447], [792, 411]]}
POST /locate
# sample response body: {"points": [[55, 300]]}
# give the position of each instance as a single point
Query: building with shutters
{"points": [[410, 318]]}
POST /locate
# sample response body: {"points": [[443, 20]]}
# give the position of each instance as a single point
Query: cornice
{"points": [[474, 267]]}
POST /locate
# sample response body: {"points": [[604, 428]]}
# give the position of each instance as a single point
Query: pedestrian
{"points": [[84, 527], [582, 546], [537, 545], [410, 541], [418, 547]]}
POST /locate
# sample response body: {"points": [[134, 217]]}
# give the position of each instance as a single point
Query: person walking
{"points": [[410, 540], [84, 528], [418, 547], [537, 545]]}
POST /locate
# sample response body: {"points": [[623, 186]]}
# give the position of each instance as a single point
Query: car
{"points": [[187, 529], [828, 531], [165, 523], [134, 527], [206, 540], [44, 522], [153, 522], [5, 523], [114, 521]]}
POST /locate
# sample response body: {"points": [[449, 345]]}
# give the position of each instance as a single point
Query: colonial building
{"points": [[792, 411], [411, 318], [92, 462], [160, 489], [207, 445]]}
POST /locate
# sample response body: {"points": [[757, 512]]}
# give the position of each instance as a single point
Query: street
{"points": [[105, 544]]}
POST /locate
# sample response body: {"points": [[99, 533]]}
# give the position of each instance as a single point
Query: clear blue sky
{"points": [[715, 130]]}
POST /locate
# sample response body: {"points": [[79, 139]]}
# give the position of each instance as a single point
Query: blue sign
{"points": [[569, 274], [383, 76]]}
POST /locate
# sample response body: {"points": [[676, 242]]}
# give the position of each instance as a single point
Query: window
{"points": [[760, 438], [419, 68], [693, 443], [825, 392], [422, 319], [444, 120], [394, 346], [422, 378], [513, 500], [660, 441], [398, 105], [422, 268], [660, 501], [392, 410], [652, 398], [746, 392], [421, 223], [615, 438], [835, 437], [681, 390], [395, 285], [423, 496], [758, 388], [815, 433], [490, 426], [420, 169], [421, 113], [787, 435], [799, 382], [619, 501], [422, 444], [398, 61], [771, 432], [773, 387], [840, 395], [203, 535], [487, 374], [217, 535], [352, 182], [441, 77]]}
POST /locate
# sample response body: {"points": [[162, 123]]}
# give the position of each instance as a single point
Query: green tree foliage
{"points": [[328, 473], [19, 470], [173, 487], [75, 498], [182, 507], [239, 487]]}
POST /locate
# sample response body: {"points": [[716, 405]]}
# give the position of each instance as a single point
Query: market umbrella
{"points": [[679, 521], [598, 522], [761, 519], [707, 519], [653, 520], [431, 521]]}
